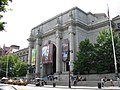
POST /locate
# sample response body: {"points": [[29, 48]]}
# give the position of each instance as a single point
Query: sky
{"points": [[27, 14]]}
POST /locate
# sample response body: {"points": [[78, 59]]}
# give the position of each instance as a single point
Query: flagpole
{"points": [[113, 45]]}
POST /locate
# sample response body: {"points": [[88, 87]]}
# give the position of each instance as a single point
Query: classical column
{"points": [[31, 45], [58, 47], [71, 45], [38, 53], [71, 30], [31, 40]]}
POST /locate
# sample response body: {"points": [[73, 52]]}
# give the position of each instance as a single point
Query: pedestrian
{"points": [[105, 79], [111, 81], [118, 80], [72, 78], [102, 82], [75, 82]]}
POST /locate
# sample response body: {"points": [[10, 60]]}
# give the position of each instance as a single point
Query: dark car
{"points": [[7, 87]]}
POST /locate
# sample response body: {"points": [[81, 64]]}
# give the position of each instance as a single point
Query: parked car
{"points": [[7, 87], [9, 82], [3, 80], [19, 82]]}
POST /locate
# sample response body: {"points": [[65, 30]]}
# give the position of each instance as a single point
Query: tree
{"points": [[20, 68], [2, 66], [83, 64], [3, 9], [104, 54], [15, 66], [105, 58], [98, 57]]}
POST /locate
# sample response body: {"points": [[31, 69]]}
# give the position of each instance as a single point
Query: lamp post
{"points": [[7, 69], [70, 51], [69, 76]]}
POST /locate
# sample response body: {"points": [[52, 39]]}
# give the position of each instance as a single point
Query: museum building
{"points": [[53, 44]]}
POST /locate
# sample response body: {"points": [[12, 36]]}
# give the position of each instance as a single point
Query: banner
{"points": [[47, 53], [65, 49], [33, 56]]}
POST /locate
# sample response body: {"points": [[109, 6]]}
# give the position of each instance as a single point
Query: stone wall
{"points": [[90, 77]]}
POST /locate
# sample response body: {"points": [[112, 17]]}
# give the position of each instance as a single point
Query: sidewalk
{"points": [[79, 87]]}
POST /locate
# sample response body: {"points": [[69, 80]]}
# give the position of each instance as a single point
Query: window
{"points": [[119, 35], [118, 25]]}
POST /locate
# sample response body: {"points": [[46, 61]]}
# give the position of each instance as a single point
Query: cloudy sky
{"points": [[27, 14]]}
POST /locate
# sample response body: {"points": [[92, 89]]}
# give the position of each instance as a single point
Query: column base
{"points": [[57, 75], [29, 76], [37, 75]]}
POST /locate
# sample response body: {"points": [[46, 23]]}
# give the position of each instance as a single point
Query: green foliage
{"points": [[20, 68], [3, 9], [84, 57], [104, 53], [98, 57], [15, 66]]}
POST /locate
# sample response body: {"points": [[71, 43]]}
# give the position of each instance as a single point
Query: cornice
{"points": [[76, 23], [92, 26], [98, 25], [50, 32], [116, 18]]}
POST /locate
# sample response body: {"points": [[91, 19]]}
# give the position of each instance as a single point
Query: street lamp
{"points": [[71, 51], [69, 76], [7, 69]]}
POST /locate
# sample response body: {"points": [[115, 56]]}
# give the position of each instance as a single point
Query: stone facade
{"points": [[74, 25]]}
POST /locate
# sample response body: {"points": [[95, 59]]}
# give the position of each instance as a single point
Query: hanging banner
{"points": [[65, 49], [47, 53], [33, 56]]}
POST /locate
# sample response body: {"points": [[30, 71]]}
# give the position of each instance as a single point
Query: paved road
{"points": [[50, 87]]}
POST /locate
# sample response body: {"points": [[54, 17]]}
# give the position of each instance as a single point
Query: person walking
{"points": [[102, 82]]}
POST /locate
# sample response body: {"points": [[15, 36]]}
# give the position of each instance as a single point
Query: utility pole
{"points": [[69, 76], [7, 68], [113, 45]]}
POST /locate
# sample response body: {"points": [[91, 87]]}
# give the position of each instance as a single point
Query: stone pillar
{"points": [[58, 47], [71, 30], [31, 40], [38, 53], [29, 54], [31, 45], [58, 52], [71, 45]]}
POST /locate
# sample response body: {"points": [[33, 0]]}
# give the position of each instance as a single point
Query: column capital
{"points": [[58, 34], [31, 38], [71, 30], [39, 34], [39, 37]]}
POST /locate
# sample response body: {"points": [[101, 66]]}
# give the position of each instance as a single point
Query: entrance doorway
{"points": [[54, 59]]}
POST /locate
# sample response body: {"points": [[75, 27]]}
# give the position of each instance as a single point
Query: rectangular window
{"points": [[118, 25]]}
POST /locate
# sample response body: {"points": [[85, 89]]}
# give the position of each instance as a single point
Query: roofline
{"points": [[59, 16]]}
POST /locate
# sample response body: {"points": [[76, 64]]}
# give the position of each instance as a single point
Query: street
{"points": [[50, 87]]}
